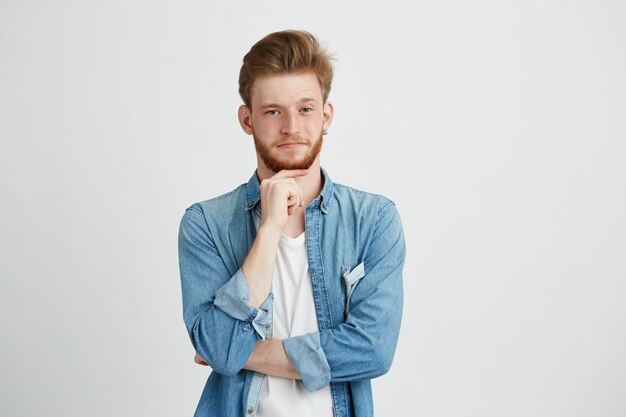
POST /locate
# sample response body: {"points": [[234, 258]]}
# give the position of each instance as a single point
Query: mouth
{"points": [[289, 145]]}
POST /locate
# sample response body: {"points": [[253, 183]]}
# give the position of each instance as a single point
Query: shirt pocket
{"points": [[351, 278]]}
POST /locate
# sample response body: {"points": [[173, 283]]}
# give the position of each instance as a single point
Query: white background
{"points": [[498, 128]]}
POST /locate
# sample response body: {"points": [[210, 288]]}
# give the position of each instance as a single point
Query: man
{"points": [[292, 284]]}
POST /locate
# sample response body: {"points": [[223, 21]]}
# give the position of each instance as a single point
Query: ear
{"points": [[245, 119], [328, 114]]}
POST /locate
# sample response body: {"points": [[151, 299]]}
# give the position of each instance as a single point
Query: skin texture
{"points": [[286, 119]]}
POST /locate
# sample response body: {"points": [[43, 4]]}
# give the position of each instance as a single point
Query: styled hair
{"points": [[282, 52]]}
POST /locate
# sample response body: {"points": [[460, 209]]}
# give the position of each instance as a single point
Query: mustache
{"points": [[292, 139]]}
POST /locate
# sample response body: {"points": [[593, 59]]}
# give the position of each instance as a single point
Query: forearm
{"points": [[222, 341], [269, 357], [258, 268]]}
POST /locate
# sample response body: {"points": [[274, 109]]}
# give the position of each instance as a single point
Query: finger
{"points": [[290, 173], [292, 204], [286, 183], [294, 192], [200, 360], [292, 187]]}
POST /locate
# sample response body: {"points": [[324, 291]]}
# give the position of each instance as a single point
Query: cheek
{"points": [[315, 125], [263, 124]]}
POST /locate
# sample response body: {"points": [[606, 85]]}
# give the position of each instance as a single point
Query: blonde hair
{"points": [[282, 52]]}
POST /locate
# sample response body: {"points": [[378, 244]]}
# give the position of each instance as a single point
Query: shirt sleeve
{"points": [[363, 346], [222, 325], [232, 298]]}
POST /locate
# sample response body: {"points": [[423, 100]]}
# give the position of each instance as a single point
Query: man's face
{"points": [[286, 120]]}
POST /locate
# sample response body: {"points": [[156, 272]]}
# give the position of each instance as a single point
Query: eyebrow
{"points": [[302, 100]]}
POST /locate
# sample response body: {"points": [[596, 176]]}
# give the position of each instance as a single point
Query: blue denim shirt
{"points": [[356, 250]]}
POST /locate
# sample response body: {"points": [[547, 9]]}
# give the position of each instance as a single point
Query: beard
{"points": [[276, 163]]}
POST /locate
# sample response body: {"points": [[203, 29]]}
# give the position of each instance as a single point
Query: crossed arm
{"points": [[226, 315], [269, 358]]}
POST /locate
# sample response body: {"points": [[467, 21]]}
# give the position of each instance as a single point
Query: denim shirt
{"points": [[355, 249]]}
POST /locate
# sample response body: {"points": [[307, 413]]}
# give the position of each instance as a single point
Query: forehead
{"points": [[285, 89]]}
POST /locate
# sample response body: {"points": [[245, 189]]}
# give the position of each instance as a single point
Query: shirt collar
{"points": [[323, 201]]}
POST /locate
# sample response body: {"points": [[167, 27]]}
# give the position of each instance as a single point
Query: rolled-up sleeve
{"points": [[363, 346], [232, 298], [306, 354], [222, 325]]}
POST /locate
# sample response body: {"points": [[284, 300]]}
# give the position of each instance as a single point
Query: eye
{"points": [[271, 112], [307, 109]]}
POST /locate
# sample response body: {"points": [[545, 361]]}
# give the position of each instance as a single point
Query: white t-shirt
{"points": [[293, 315]]}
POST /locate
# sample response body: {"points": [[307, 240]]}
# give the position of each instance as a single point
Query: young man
{"points": [[292, 284]]}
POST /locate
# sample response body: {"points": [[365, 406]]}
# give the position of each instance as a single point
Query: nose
{"points": [[291, 124]]}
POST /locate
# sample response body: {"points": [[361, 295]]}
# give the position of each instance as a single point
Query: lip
{"points": [[290, 145]]}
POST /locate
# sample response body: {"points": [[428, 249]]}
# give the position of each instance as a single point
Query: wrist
{"points": [[269, 233]]}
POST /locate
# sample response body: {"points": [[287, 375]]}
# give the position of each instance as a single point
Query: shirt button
{"points": [[267, 327], [250, 411]]}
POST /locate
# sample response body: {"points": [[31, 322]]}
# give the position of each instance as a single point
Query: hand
{"points": [[280, 197], [200, 360]]}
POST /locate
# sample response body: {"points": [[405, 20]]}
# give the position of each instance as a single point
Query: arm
{"points": [[225, 315], [280, 198], [221, 324], [269, 357], [258, 267], [363, 346]]}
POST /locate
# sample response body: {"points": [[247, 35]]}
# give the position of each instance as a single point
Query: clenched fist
{"points": [[280, 197]]}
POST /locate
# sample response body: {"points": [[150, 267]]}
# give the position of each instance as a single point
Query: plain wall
{"points": [[498, 128]]}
